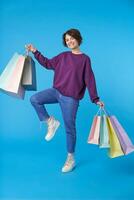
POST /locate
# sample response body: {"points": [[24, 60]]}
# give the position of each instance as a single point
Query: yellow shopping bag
{"points": [[115, 149]]}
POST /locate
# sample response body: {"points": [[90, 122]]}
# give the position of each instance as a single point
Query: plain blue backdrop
{"points": [[30, 168]]}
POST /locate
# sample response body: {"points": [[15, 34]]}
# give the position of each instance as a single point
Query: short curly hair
{"points": [[75, 33]]}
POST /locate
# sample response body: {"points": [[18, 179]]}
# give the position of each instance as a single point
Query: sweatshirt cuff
{"points": [[35, 52], [96, 100]]}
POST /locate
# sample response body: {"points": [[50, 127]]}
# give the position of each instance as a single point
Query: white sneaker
{"points": [[69, 164], [53, 125]]}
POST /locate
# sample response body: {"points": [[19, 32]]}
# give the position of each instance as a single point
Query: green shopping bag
{"points": [[104, 135]]}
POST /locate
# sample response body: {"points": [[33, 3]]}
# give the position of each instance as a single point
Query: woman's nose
{"points": [[70, 42]]}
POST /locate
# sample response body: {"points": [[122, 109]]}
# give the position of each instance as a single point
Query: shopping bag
{"points": [[104, 135], [115, 149], [10, 81], [29, 74], [125, 141], [94, 132], [8, 70]]}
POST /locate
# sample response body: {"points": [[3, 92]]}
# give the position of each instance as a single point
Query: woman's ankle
{"points": [[70, 155], [47, 120]]}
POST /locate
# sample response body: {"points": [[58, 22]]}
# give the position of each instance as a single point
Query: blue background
{"points": [[30, 168]]}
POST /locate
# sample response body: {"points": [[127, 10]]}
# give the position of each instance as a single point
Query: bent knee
{"points": [[33, 99]]}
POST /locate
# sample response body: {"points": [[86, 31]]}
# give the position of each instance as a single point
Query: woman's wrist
{"points": [[34, 50]]}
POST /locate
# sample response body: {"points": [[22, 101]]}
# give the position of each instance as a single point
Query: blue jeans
{"points": [[69, 107]]}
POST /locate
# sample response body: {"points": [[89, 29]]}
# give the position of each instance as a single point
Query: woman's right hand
{"points": [[30, 47]]}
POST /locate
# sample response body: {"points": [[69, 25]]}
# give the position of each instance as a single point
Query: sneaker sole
{"points": [[69, 170], [56, 127]]}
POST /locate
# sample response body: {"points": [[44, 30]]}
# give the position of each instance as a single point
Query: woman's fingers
{"points": [[29, 47], [100, 103]]}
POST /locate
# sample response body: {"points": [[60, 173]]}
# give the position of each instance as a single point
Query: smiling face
{"points": [[71, 42]]}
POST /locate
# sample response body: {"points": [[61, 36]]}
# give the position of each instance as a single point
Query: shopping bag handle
{"points": [[27, 52], [102, 110], [106, 112], [98, 112]]}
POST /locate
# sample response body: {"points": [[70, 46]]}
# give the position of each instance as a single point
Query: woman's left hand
{"points": [[100, 103]]}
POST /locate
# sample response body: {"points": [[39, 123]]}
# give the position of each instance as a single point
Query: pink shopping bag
{"points": [[94, 132]]}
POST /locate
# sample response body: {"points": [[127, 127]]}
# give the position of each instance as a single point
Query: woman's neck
{"points": [[76, 51]]}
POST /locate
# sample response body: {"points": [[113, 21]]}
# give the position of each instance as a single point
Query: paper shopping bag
{"points": [[125, 141], [11, 84], [29, 74], [8, 70], [94, 132], [104, 135], [115, 149]]}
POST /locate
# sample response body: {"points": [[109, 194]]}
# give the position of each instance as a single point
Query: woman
{"points": [[72, 74]]}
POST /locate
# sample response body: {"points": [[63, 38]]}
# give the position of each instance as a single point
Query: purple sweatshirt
{"points": [[72, 74]]}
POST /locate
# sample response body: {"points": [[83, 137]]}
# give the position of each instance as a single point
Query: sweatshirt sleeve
{"points": [[45, 62], [90, 82]]}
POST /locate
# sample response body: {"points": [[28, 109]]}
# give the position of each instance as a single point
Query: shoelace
{"points": [[50, 125], [67, 163]]}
